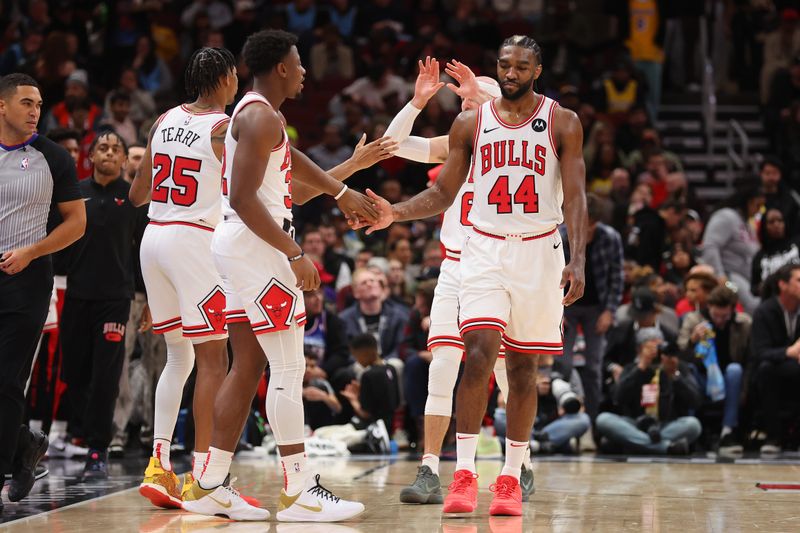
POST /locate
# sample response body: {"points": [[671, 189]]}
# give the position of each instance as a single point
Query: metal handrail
{"points": [[709, 95], [739, 159]]}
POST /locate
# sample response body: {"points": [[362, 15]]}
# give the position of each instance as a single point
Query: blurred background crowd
{"points": [[686, 338]]}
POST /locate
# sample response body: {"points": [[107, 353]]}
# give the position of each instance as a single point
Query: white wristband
{"points": [[341, 193]]}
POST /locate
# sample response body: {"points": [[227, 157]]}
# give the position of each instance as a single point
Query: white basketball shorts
{"points": [[258, 280], [512, 286], [184, 289]]}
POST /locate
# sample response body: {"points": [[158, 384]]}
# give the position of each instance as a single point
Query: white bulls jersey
{"points": [[275, 191], [456, 219], [186, 173], [516, 173]]}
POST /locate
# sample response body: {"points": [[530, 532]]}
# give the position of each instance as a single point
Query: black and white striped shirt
{"points": [[33, 176]]}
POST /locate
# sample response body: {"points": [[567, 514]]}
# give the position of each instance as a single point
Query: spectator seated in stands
{"points": [[777, 249], [697, 286], [76, 88], [665, 315], [560, 418], [369, 314], [619, 92], [730, 242], [622, 342], [776, 351], [319, 401], [655, 394], [719, 336], [119, 119], [332, 150], [779, 195], [372, 394], [324, 336]]}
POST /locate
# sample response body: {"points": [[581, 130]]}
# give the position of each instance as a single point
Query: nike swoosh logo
{"points": [[517, 445], [226, 506], [86, 199], [555, 246], [317, 509], [490, 130], [462, 438]]}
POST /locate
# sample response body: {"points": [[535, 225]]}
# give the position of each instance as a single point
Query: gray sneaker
{"points": [[425, 489], [526, 483]]}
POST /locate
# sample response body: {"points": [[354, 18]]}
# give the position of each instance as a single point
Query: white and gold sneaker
{"points": [[315, 503], [222, 501]]}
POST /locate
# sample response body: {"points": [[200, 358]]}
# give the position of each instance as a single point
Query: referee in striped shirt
{"points": [[35, 173]]}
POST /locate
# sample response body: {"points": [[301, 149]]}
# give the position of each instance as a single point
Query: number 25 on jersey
{"points": [[183, 171]]}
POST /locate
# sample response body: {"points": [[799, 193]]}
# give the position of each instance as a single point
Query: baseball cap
{"points": [[79, 76], [643, 301], [649, 334]]}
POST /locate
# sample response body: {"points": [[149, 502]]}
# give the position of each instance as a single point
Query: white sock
{"points": [[294, 473], [466, 446], [725, 431], [58, 430], [432, 462], [198, 462], [526, 461], [161, 452], [515, 453], [216, 468], [35, 425]]}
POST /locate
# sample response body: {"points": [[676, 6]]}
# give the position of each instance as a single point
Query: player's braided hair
{"points": [[523, 41], [206, 68], [265, 49]]}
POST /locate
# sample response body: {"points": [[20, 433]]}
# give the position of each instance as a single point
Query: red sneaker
{"points": [[507, 497], [463, 493]]}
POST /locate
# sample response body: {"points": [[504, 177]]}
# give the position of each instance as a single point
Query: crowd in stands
{"points": [[687, 335]]}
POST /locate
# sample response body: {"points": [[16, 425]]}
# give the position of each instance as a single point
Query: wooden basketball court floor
{"points": [[572, 495]]}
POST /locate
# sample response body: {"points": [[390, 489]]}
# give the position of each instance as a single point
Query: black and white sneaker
{"points": [[730, 445]]}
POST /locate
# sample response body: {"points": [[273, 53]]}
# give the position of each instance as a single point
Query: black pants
{"points": [[776, 381], [93, 348], [24, 300]]}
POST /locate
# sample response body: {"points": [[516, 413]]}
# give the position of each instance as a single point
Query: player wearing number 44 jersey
{"points": [[526, 158], [444, 338], [181, 177]]}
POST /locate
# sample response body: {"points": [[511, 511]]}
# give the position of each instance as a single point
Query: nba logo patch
{"points": [[24, 163], [187, 121]]}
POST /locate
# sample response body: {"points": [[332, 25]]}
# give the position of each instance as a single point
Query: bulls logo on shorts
{"points": [[213, 309], [114, 331], [277, 302]]}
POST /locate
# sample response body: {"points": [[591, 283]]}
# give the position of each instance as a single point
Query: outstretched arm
{"points": [[438, 197], [569, 135], [364, 156]]}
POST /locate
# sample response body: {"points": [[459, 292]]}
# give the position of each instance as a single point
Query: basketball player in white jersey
{"points": [[264, 271], [444, 339], [180, 177], [527, 160]]}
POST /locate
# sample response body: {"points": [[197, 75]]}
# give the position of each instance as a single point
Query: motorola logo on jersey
{"points": [[539, 125], [511, 153]]}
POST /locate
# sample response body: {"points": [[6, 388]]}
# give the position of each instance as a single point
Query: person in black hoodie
{"points": [[778, 194], [777, 249], [775, 339], [655, 395]]}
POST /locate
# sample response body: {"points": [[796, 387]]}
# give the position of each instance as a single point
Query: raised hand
{"points": [[367, 154], [467, 87], [356, 206], [427, 83]]}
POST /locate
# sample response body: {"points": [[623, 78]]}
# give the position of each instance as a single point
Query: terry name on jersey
{"points": [[181, 135], [509, 153]]}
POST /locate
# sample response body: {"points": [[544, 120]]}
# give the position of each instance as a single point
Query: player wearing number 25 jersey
{"points": [[182, 175]]}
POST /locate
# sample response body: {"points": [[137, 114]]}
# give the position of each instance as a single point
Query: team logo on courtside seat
{"points": [[539, 125], [277, 302]]}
